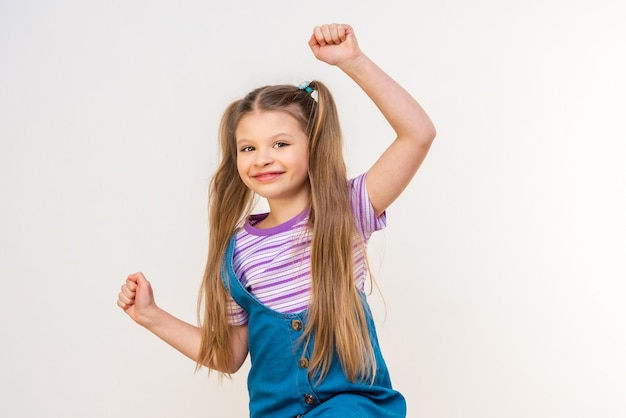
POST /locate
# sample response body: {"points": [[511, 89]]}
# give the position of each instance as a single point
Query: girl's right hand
{"points": [[136, 298]]}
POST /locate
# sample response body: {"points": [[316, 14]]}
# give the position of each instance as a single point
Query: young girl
{"points": [[287, 286]]}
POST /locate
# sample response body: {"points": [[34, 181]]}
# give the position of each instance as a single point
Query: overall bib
{"points": [[279, 384]]}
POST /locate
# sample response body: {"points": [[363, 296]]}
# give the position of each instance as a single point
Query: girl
{"points": [[287, 286]]}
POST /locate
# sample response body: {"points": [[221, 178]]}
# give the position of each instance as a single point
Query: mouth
{"points": [[269, 176]]}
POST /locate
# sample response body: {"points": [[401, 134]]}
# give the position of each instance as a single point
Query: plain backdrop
{"points": [[503, 265]]}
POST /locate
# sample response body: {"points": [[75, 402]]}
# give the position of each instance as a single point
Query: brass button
{"points": [[309, 399], [296, 325], [304, 362]]}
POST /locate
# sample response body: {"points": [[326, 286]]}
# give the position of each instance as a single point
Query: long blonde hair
{"points": [[336, 317]]}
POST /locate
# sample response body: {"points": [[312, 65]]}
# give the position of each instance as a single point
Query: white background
{"points": [[503, 265]]}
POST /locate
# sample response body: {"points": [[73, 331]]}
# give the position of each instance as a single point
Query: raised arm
{"points": [[137, 300], [336, 44]]}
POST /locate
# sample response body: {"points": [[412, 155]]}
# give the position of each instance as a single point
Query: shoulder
{"points": [[358, 181]]}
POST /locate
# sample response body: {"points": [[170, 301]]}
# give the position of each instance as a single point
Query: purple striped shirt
{"points": [[274, 263]]}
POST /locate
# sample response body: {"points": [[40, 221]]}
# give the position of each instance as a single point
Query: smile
{"points": [[263, 177]]}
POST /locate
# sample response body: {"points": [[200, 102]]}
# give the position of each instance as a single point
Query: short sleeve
{"points": [[362, 209], [236, 314]]}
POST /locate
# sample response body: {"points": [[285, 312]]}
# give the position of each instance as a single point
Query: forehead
{"points": [[260, 124]]}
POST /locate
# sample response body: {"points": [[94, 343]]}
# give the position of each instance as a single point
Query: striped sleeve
{"points": [[362, 209], [236, 314]]}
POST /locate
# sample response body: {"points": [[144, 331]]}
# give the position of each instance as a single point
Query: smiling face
{"points": [[272, 157]]}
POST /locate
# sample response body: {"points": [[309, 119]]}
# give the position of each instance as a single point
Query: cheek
{"points": [[243, 169], [241, 164], [304, 162]]}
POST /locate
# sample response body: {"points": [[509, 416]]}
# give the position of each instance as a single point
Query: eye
{"points": [[247, 148], [280, 144]]}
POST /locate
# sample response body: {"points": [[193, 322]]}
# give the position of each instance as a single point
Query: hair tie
{"points": [[304, 85]]}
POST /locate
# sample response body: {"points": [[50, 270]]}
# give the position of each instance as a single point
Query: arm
{"points": [[394, 169], [137, 300]]}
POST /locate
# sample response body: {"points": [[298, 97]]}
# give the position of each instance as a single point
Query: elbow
{"points": [[424, 139], [229, 367], [235, 364], [226, 370], [423, 134], [232, 369], [429, 133]]}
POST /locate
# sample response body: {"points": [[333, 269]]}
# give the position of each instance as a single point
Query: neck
{"points": [[282, 210]]}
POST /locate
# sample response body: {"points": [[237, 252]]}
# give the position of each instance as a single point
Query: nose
{"points": [[263, 157]]}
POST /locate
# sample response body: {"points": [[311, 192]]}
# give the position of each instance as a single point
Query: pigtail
{"points": [[336, 317], [229, 202]]}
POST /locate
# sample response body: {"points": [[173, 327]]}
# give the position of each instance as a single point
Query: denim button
{"points": [[296, 325]]}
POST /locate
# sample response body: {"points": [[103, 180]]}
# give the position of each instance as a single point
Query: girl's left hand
{"points": [[334, 44]]}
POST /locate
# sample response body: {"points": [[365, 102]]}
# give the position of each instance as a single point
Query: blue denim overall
{"points": [[279, 383]]}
